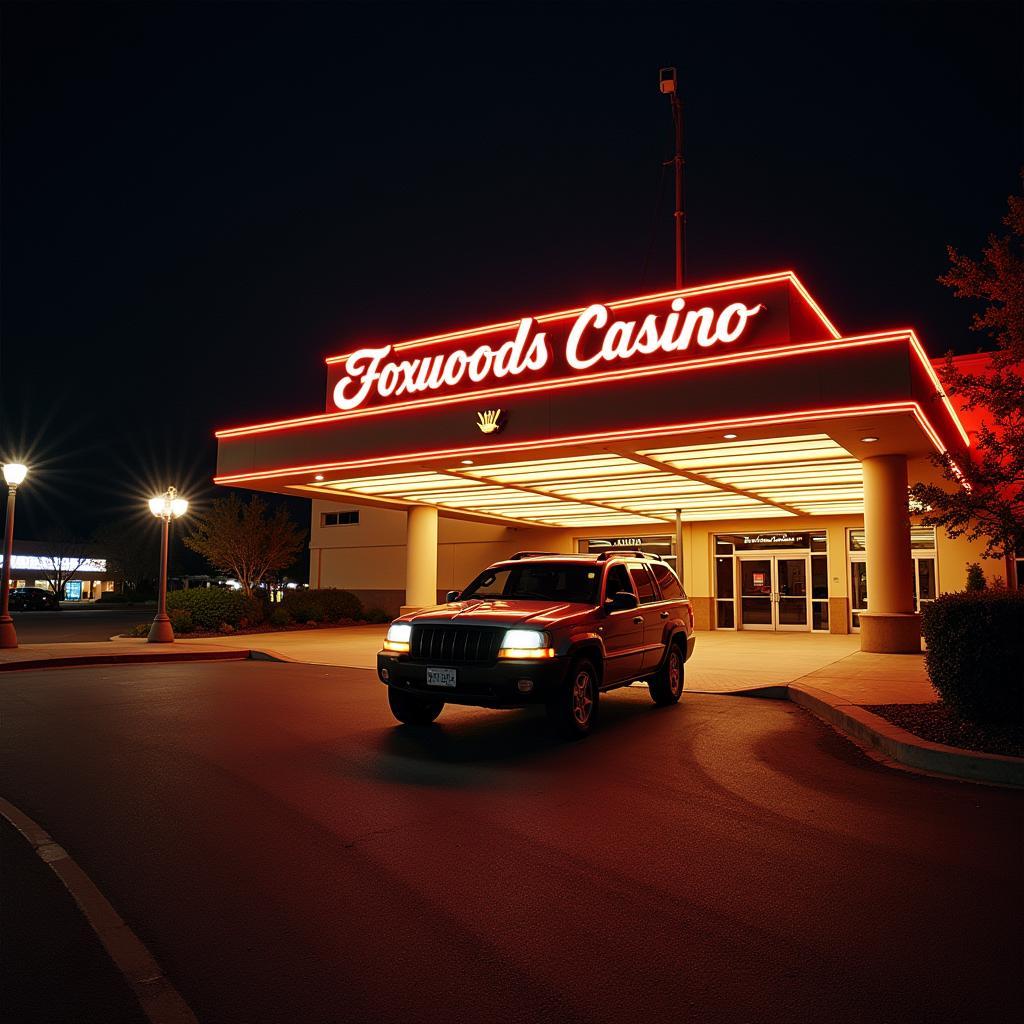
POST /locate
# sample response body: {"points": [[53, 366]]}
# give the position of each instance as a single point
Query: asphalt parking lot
{"points": [[288, 853], [66, 625]]}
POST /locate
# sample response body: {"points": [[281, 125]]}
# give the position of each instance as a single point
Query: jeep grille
{"points": [[455, 645]]}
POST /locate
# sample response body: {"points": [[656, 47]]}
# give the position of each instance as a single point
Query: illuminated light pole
{"points": [[166, 507], [14, 473], [667, 79]]}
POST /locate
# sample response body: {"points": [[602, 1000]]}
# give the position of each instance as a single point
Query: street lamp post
{"points": [[14, 473], [166, 507]]}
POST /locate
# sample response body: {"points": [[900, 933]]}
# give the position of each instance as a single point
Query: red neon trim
{"points": [[571, 382], [781, 275], [916, 345], [680, 428]]}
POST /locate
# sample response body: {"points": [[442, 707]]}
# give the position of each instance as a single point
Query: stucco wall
{"points": [[369, 557]]}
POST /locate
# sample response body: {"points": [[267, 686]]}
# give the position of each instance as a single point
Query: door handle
{"points": [[664, 615], [638, 620]]}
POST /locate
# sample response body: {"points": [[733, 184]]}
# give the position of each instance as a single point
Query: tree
{"points": [[987, 495], [246, 540], [64, 558], [132, 551]]}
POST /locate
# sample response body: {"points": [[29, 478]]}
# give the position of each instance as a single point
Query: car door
{"points": [[622, 629], [652, 612]]}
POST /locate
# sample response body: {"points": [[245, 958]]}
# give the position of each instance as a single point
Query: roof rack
{"points": [[631, 552], [529, 554]]}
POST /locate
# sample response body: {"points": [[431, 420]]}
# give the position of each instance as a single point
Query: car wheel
{"points": [[573, 709], [411, 709], [667, 686]]}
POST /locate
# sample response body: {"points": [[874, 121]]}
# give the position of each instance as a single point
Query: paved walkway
{"points": [[722, 661]]}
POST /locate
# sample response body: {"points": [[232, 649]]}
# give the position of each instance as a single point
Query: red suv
{"points": [[543, 628]]}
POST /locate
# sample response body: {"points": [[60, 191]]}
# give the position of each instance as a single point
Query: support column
{"points": [[889, 626], [420, 558]]}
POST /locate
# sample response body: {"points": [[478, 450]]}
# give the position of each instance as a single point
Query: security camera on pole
{"points": [[166, 507], [14, 473]]}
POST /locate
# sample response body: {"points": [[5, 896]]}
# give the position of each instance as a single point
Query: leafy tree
{"points": [[66, 556], [986, 499], [132, 551], [245, 539]]}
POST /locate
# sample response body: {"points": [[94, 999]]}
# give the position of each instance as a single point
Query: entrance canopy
{"points": [[732, 400]]}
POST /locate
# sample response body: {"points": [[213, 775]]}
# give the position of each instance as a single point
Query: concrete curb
{"points": [[894, 742], [158, 999], [77, 661], [905, 747]]}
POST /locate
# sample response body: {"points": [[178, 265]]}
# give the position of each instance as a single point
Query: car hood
{"points": [[495, 612]]}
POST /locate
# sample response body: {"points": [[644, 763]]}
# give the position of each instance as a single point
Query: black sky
{"points": [[201, 201]]}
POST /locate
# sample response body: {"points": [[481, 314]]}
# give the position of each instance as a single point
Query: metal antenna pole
{"points": [[680, 215], [669, 87]]}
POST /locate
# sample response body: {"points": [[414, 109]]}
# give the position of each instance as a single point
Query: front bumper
{"points": [[486, 686]]}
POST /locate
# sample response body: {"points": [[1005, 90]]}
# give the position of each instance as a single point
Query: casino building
{"points": [[730, 428]]}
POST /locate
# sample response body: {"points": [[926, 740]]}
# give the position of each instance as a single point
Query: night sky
{"points": [[201, 201]]}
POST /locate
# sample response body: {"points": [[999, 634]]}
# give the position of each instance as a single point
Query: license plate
{"points": [[441, 677]]}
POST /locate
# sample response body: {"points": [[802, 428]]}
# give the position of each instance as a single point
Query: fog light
{"points": [[385, 675], [525, 685]]}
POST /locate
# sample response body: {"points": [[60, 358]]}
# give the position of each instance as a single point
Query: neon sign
{"points": [[370, 374]]}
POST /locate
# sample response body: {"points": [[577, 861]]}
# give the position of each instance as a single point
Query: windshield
{"points": [[572, 582]]}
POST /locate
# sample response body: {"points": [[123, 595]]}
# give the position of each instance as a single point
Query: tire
{"points": [[667, 686], [573, 710], [411, 709]]}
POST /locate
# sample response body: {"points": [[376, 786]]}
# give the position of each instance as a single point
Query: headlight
{"points": [[525, 643], [397, 639]]}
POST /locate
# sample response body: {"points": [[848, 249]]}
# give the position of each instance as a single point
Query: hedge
{"points": [[321, 605], [975, 655], [212, 607]]}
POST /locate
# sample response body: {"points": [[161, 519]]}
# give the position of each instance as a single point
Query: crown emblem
{"points": [[489, 422]]}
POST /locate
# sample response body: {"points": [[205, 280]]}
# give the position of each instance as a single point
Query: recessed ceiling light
{"points": [[467, 462], [869, 440], [730, 437], [319, 476]]}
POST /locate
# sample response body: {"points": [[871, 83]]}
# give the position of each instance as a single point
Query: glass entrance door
{"points": [[757, 602], [774, 592], [791, 593]]}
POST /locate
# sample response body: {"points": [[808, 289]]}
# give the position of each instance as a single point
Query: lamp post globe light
{"points": [[14, 473], [165, 507]]}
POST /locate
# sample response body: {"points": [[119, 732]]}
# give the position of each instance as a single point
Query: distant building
{"points": [[84, 566]]}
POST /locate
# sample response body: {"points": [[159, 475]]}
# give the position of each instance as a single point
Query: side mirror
{"points": [[621, 601], [452, 595]]}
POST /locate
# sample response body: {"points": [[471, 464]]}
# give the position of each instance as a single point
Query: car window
{"points": [[644, 583], [671, 590], [572, 582], [618, 580]]}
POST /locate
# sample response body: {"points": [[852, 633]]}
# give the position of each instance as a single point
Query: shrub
{"points": [[279, 617], [212, 606], [377, 615], [975, 653], [181, 620], [142, 629], [975, 577], [321, 605], [112, 597]]}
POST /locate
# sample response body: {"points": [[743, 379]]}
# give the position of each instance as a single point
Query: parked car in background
{"points": [[542, 628], [32, 599]]}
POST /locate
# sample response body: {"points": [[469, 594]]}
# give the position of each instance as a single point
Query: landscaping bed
{"points": [[209, 612], [939, 724], [265, 627]]}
